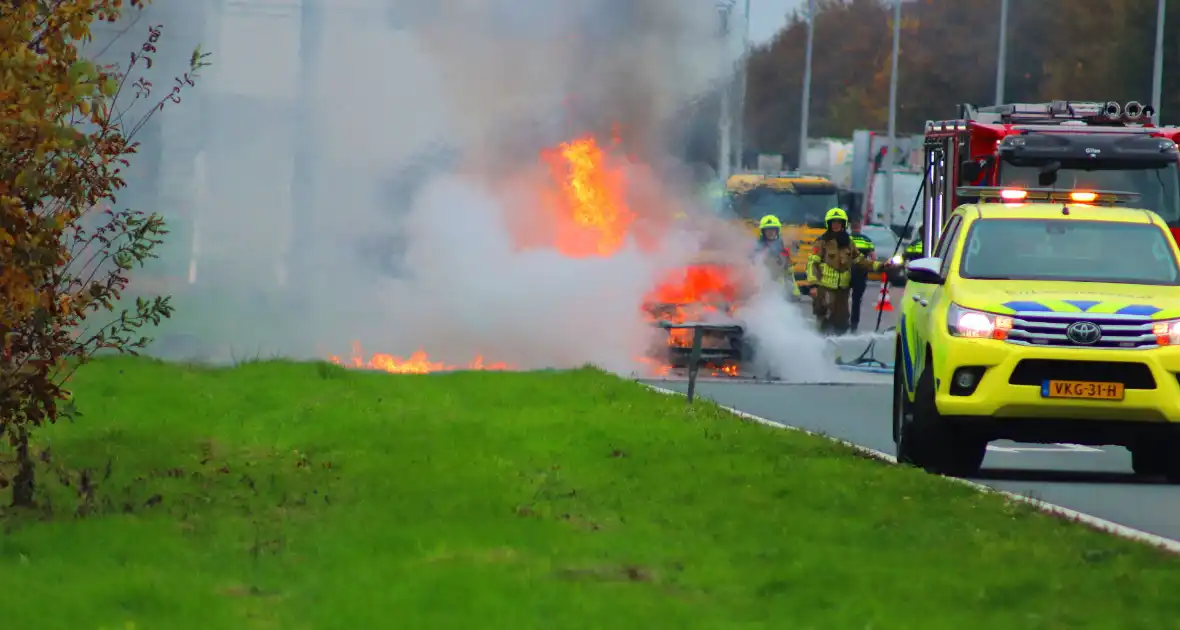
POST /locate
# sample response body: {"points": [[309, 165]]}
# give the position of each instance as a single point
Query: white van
{"points": [[906, 185]]}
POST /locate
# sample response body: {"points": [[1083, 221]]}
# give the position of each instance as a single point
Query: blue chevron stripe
{"points": [[1143, 310], [1084, 305], [1021, 306]]}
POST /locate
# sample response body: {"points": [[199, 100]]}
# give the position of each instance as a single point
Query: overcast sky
{"points": [[767, 17]]}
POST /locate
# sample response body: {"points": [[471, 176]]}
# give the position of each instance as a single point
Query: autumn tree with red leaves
{"points": [[67, 128], [949, 52]]}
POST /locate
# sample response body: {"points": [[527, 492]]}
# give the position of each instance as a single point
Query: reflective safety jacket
{"points": [[830, 266], [914, 250], [866, 247], [764, 246], [863, 243], [775, 254]]}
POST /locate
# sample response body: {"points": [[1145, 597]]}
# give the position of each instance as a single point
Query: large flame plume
{"points": [[589, 200]]}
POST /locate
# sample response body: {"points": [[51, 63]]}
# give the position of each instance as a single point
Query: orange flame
{"points": [[417, 363], [593, 217], [694, 284], [691, 294], [654, 368]]}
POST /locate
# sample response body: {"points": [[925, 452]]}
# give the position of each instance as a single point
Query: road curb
{"points": [[758, 381], [1094, 522]]}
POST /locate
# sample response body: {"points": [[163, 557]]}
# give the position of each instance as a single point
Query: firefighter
{"points": [[913, 250], [771, 250], [769, 229], [860, 277], [830, 270]]}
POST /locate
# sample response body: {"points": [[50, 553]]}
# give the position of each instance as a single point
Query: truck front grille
{"points": [[1048, 329]]}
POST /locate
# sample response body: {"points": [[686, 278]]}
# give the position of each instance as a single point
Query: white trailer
{"points": [[831, 158]]}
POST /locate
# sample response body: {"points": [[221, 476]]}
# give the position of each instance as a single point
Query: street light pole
{"points": [[806, 106], [1002, 57], [890, 158], [302, 249], [740, 130], [1157, 80], [724, 120]]}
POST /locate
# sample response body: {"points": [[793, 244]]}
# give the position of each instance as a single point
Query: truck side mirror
{"points": [[925, 271]]}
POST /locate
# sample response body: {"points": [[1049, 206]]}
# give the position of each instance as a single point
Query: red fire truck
{"points": [[1062, 144]]}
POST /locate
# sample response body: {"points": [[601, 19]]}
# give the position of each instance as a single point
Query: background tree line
{"points": [[1057, 49]]}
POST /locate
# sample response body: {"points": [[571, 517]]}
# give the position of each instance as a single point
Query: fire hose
{"points": [[867, 361]]}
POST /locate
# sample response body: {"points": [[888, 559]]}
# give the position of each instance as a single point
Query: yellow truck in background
{"points": [[798, 200]]}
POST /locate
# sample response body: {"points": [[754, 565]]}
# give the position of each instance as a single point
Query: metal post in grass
{"points": [[694, 361]]}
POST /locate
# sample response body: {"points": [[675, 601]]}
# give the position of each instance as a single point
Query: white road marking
{"points": [[1101, 524], [1054, 448]]}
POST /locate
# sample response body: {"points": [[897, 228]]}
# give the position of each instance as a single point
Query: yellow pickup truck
{"points": [[798, 200], [1053, 318]]}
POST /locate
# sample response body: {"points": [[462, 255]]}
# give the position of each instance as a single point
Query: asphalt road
{"points": [[1097, 481], [868, 307], [874, 325]]}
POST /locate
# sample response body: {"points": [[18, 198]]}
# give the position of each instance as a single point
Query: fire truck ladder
{"points": [[1110, 113]]}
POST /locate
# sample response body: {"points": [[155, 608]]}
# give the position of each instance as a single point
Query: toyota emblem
{"points": [[1084, 333]]}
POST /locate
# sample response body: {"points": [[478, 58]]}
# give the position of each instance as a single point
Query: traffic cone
{"points": [[883, 303]]}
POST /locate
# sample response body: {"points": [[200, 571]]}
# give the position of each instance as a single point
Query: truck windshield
{"points": [[1158, 186], [1069, 250], [791, 207]]}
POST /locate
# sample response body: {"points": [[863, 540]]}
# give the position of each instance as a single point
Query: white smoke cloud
{"points": [[534, 308], [402, 234]]}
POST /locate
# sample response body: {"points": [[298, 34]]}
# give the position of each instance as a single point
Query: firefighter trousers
{"points": [[859, 284], [831, 308]]}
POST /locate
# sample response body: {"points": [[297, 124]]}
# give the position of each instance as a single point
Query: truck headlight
{"points": [[964, 322], [896, 260], [1167, 333]]}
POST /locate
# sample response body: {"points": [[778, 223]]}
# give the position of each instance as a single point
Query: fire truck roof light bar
{"points": [[1011, 194]]}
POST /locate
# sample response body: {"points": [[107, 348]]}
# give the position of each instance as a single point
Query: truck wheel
{"points": [[901, 404], [930, 442], [1161, 458], [1171, 470], [1149, 459]]}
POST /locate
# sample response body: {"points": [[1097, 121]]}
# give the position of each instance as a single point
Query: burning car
{"points": [[709, 291]]}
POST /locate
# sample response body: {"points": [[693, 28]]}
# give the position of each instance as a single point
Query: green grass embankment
{"points": [[278, 495]]}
